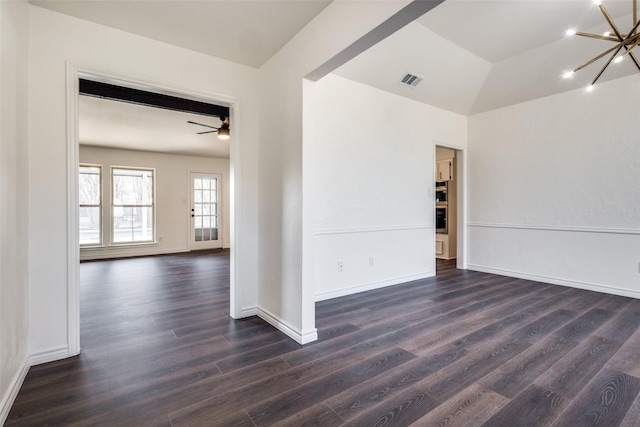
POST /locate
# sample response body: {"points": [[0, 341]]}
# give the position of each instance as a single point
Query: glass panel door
{"points": [[205, 211]]}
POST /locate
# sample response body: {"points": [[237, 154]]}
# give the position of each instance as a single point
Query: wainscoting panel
{"points": [[596, 259], [371, 258]]}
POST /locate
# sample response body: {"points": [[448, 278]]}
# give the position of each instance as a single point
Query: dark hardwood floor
{"points": [[461, 349]]}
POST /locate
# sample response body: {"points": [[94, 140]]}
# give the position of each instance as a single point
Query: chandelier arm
{"points": [[635, 16], [611, 23], [635, 60], [597, 36], [636, 42], [632, 33], [618, 46], [630, 48], [606, 65]]}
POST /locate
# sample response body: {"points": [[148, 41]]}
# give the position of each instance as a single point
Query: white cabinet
{"points": [[442, 246], [444, 170], [445, 246]]}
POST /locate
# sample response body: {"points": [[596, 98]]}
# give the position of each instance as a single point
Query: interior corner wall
{"points": [[173, 216], [14, 328], [369, 167], [553, 189], [56, 40], [286, 293]]}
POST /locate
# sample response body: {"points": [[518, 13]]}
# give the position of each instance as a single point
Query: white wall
{"points": [[286, 295], [173, 218], [554, 189], [55, 39], [13, 201], [369, 168]]}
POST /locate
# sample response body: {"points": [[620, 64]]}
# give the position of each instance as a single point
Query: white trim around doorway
{"points": [[73, 74], [461, 187]]}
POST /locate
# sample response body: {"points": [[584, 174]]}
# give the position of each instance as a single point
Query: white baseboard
{"points": [[12, 392], [50, 355], [556, 281], [373, 285], [248, 312], [301, 337]]}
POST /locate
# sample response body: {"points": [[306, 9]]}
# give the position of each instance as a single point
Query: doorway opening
{"points": [[74, 78], [449, 207]]}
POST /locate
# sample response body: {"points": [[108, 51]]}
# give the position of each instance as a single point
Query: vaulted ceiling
{"points": [[478, 55], [473, 55]]}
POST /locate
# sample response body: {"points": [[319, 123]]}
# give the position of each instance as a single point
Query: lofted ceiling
{"points": [[478, 55], [473, 55]]}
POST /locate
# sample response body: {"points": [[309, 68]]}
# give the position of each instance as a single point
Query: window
{"points": [[90, 195], [132, 205]]}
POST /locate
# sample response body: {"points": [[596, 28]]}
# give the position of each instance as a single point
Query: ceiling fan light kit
{"points": [[223, 132], [624, 43]]}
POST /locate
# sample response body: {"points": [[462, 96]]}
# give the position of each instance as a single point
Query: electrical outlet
{"points": [[340, 266], [370, 261]]}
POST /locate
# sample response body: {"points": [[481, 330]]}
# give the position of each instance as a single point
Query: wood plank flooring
{"points": [[460, 349]]}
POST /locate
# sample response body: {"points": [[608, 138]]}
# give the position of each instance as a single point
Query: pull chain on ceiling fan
{"points": [[223, 131], [627, 41]]}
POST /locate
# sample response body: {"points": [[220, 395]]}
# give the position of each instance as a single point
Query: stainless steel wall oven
{"points": [[441, 207], [441, 219]]}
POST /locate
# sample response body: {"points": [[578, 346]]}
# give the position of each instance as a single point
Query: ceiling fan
{"points": [[223, 131]]}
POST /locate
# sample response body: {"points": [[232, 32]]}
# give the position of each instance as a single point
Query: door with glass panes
{"points": [[205, 230]]}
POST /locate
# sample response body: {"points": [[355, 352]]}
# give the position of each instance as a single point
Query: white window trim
{"points": [[114, 245], [100, 244]]}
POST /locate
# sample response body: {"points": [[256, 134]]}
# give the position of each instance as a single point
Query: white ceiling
{"points": [[474, 55], [114, 124], [478, 55], [247, 32]]}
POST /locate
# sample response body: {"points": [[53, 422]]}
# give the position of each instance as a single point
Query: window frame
{"points": [[112, 227], [100, 206]]}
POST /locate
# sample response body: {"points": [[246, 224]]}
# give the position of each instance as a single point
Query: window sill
{"points": [[92, 248], [117, 246], [131, 245]]}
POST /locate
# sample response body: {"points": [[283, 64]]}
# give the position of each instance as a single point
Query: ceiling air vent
{"points": [[410, 79]]}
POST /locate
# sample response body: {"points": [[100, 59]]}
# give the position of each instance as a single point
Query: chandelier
{"points": [[624, 43]]}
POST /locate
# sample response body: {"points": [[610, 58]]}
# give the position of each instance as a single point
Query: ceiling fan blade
{"points": [[201, 124], [209, 131]]}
